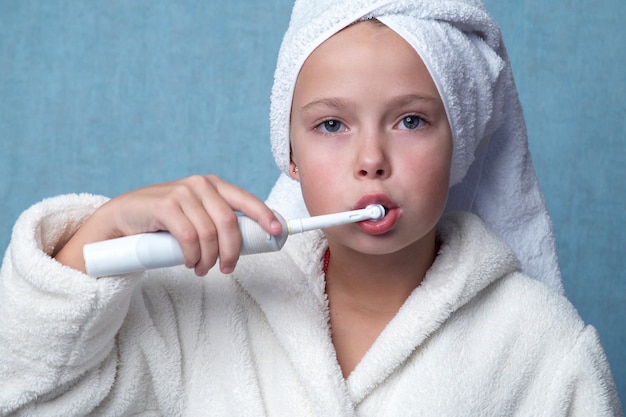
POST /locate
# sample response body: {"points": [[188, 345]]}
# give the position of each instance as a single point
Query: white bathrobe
{"points": [[477, 338]]}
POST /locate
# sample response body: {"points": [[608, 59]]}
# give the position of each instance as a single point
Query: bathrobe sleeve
{"points": [[583, 383], [58, 327]]}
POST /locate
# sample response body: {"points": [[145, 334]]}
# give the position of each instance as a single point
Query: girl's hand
{"points": [[199, 211]]}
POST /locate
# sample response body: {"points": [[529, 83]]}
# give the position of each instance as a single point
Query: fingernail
{"points": [[228, 269], [275, 224]]}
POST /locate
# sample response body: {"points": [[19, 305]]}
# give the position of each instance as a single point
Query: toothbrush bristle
{"points": [[381, 211]]}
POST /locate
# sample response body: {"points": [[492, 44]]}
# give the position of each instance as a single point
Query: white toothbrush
{"points": [[159, 249]]}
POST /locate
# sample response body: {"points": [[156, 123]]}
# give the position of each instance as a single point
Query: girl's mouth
{"points": [[392, 213]]}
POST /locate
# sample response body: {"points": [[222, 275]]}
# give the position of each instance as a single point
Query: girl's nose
{"points": [[372, 161]]}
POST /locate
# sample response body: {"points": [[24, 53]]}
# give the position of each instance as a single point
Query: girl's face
{"points": [[368, 126]]}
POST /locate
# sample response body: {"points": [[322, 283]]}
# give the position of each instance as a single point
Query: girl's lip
{"points": [[378, 227], [392, 213], [382, 199]]}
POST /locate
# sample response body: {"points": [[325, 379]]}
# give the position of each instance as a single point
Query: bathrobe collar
{"points": [[289, 288]]}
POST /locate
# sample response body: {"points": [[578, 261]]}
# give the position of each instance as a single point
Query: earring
{"points": [[295, 169]]}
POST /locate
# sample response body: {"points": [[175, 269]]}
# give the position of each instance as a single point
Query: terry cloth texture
{"points": [[461, 45], [476, 338]]}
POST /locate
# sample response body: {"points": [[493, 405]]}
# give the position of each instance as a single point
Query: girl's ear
{"points": [[293, 170]]}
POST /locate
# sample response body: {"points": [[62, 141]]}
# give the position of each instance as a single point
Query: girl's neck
{"points": [[378, 284], [365, 292]]}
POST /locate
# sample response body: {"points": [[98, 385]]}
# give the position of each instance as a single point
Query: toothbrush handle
{"points": [[256, 240], [160, 249]]}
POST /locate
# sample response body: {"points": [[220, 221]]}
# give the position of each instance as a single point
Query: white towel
{"points": [[461, 45]]}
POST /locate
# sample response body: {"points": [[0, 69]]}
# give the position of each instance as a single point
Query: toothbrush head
{"points": [[376, 211]]}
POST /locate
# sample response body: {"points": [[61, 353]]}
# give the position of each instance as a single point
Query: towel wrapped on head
{"points": [[461, 45]]}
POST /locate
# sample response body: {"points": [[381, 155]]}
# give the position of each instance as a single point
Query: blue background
{"points": [[107, 96]]}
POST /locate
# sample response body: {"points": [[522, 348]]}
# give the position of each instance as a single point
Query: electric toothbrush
{"points": [[160, 249]]}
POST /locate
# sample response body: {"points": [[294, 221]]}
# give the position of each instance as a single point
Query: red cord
{"points": [[326, 260]]}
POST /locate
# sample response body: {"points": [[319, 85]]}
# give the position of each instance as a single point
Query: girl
{"points": [[425, 312]]}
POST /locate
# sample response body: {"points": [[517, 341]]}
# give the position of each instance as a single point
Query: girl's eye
{"points": [[330, 126], [411, 122]]}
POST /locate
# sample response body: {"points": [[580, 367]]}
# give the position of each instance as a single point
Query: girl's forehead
{"points": [[365, 52]]}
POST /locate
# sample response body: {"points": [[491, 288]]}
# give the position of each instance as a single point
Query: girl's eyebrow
{"points": [[414, 98], [326, 103], [340, 103]]}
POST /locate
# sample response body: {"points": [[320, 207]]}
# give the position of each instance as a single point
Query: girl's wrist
{"points": [[93, 230]]}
